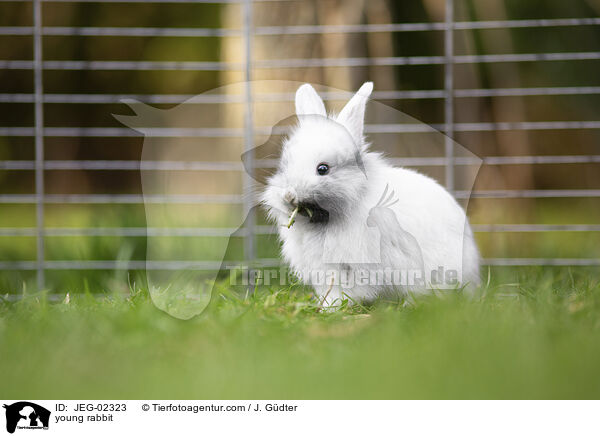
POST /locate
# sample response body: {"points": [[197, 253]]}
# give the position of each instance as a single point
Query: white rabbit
{"points": [[364, 228]]}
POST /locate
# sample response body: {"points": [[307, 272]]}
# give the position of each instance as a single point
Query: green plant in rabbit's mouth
{"points": [[295, 212]]}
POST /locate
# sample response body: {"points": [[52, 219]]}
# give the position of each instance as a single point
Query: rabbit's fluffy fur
{"points": [[363, 214]]}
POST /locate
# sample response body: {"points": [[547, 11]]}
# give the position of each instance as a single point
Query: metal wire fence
{"points": [[247, 31]]}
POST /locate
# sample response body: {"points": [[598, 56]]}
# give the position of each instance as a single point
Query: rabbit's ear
{"points": [[308, 101], [352, 117]]}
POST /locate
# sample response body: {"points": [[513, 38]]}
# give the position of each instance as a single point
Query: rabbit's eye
{"points": [[322, 169]]}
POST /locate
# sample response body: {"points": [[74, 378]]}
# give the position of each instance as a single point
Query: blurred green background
{"points": [[228, 48]]}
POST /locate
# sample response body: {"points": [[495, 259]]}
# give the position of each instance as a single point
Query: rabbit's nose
{"points": [[291, 197]]}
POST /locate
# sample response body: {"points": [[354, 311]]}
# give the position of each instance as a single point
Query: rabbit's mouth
{"points": [[315, 212]]}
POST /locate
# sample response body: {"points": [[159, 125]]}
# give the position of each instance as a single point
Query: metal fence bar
{"points": [[39, 141], [260, 230], [482, 127], [527, 125], [530, 193], [140, 31], [418, 27], [207, 98], [532, 160], [250, 217], [124, 65], [144, 1], [238, 199], [448, 99], [121, 31], [118, 132], [267, 262], [424, 60], [296, 63], [539, 262], [118, 98], [226, 98], [127, 264], [500, 24], [126, 165], [296, 30], [497, 160], [524, 228], [522, 92], [135, 231], [122, 199], [134, 165]]}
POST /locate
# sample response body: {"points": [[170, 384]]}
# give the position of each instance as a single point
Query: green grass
{"points": [[536, 339]]}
